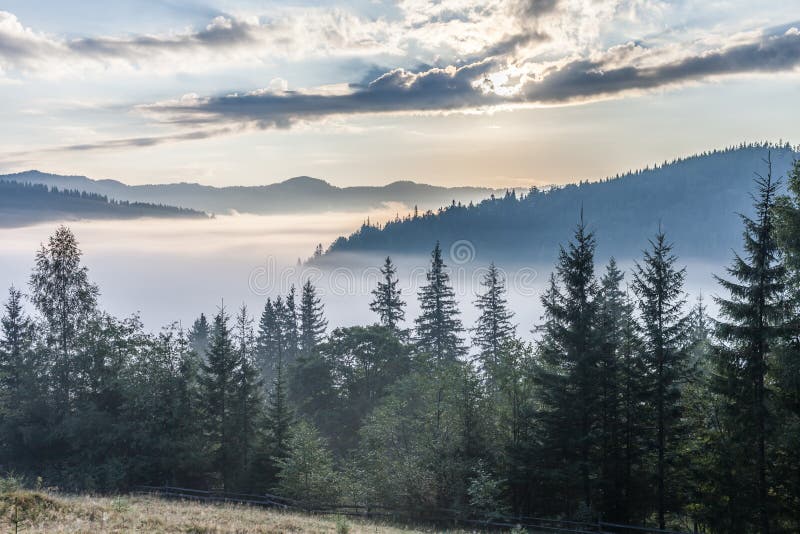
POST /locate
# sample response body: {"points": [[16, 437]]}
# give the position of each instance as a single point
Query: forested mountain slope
{"points": [[25, 203], [696, 200]]}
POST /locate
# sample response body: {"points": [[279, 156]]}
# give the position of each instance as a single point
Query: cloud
{"points": [[481, 85], [307, 33], [470, 55], [131, 142], [433, 90], [585, 79]]}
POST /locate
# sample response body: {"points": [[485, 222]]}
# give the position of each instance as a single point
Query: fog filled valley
{"points": [[171, 272]]}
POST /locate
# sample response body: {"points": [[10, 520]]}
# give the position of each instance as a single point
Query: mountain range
{"points": [[695, 200], [301, 194]]}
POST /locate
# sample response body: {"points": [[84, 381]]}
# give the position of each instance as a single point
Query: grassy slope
{"points": [[44, 513]]}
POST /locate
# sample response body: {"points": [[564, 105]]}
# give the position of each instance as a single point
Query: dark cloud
{"points": [[223, 33], [535, 8], [512, 43], [395, 91], [585, 79]]}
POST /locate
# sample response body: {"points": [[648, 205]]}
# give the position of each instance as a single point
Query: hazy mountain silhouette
{"points": [[695, 199], [24, 203], [302, 194]]}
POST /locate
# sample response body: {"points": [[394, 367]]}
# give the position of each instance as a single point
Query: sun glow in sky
{"points": [[453, 92]]}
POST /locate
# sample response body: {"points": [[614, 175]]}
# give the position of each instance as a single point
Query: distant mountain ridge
{"points": [[696, 200], [302, 194], [24, 203]]}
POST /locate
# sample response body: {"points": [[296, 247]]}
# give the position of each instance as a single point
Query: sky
{"points": [[452, 92]]}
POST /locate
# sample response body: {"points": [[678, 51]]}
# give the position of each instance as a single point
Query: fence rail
{"points": [[437, 516]]}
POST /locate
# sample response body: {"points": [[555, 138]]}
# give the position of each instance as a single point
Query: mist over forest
{"points": [[597, 378]]}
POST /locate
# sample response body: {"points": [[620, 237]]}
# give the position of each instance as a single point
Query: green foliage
{"points": [[493, 328], [306, 472], [486, 492], [342, 526], [312, 319], [568, 364], [438, 328], [388, 301], [658, 285]]}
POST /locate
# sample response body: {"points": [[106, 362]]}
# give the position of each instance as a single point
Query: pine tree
{"points": [[658, 285], [288, 320], [786, 364], [16, 344], [19, 378], [438, 327], [567, 371], [279, 415], [312, 319], [611, 319], [248, 408], [752, 325], [388, 302], [636, 420], [198, 336], [268, 343], [494, 328], [218, 386]]}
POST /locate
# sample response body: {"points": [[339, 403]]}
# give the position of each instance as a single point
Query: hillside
{"points": [[302, 194], [696, 200], [25, 203]]}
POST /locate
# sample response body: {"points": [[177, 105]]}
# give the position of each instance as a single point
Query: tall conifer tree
{"points": [[388, 300], [567, 371], [218, 387], [438, 327], [312, 319], [493, 328], [658, 285], [752, 324]]}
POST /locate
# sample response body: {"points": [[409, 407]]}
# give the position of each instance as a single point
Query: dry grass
{"points": [[37, 512]]}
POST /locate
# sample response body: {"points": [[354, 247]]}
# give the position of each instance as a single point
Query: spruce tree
{"points": [[312, 319], [267, 341], [751, 326], [16, 344], [786, 364], [19, 378], [636, 421], [438, 327], [218, 387], [611, 322], [198, 336], [388, 302], [567, 373], [493, 328], [288, 321], [248, 408], [278, 414], [658, 285]]}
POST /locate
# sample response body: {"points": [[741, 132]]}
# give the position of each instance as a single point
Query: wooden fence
{"points": [[440, 516]]}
